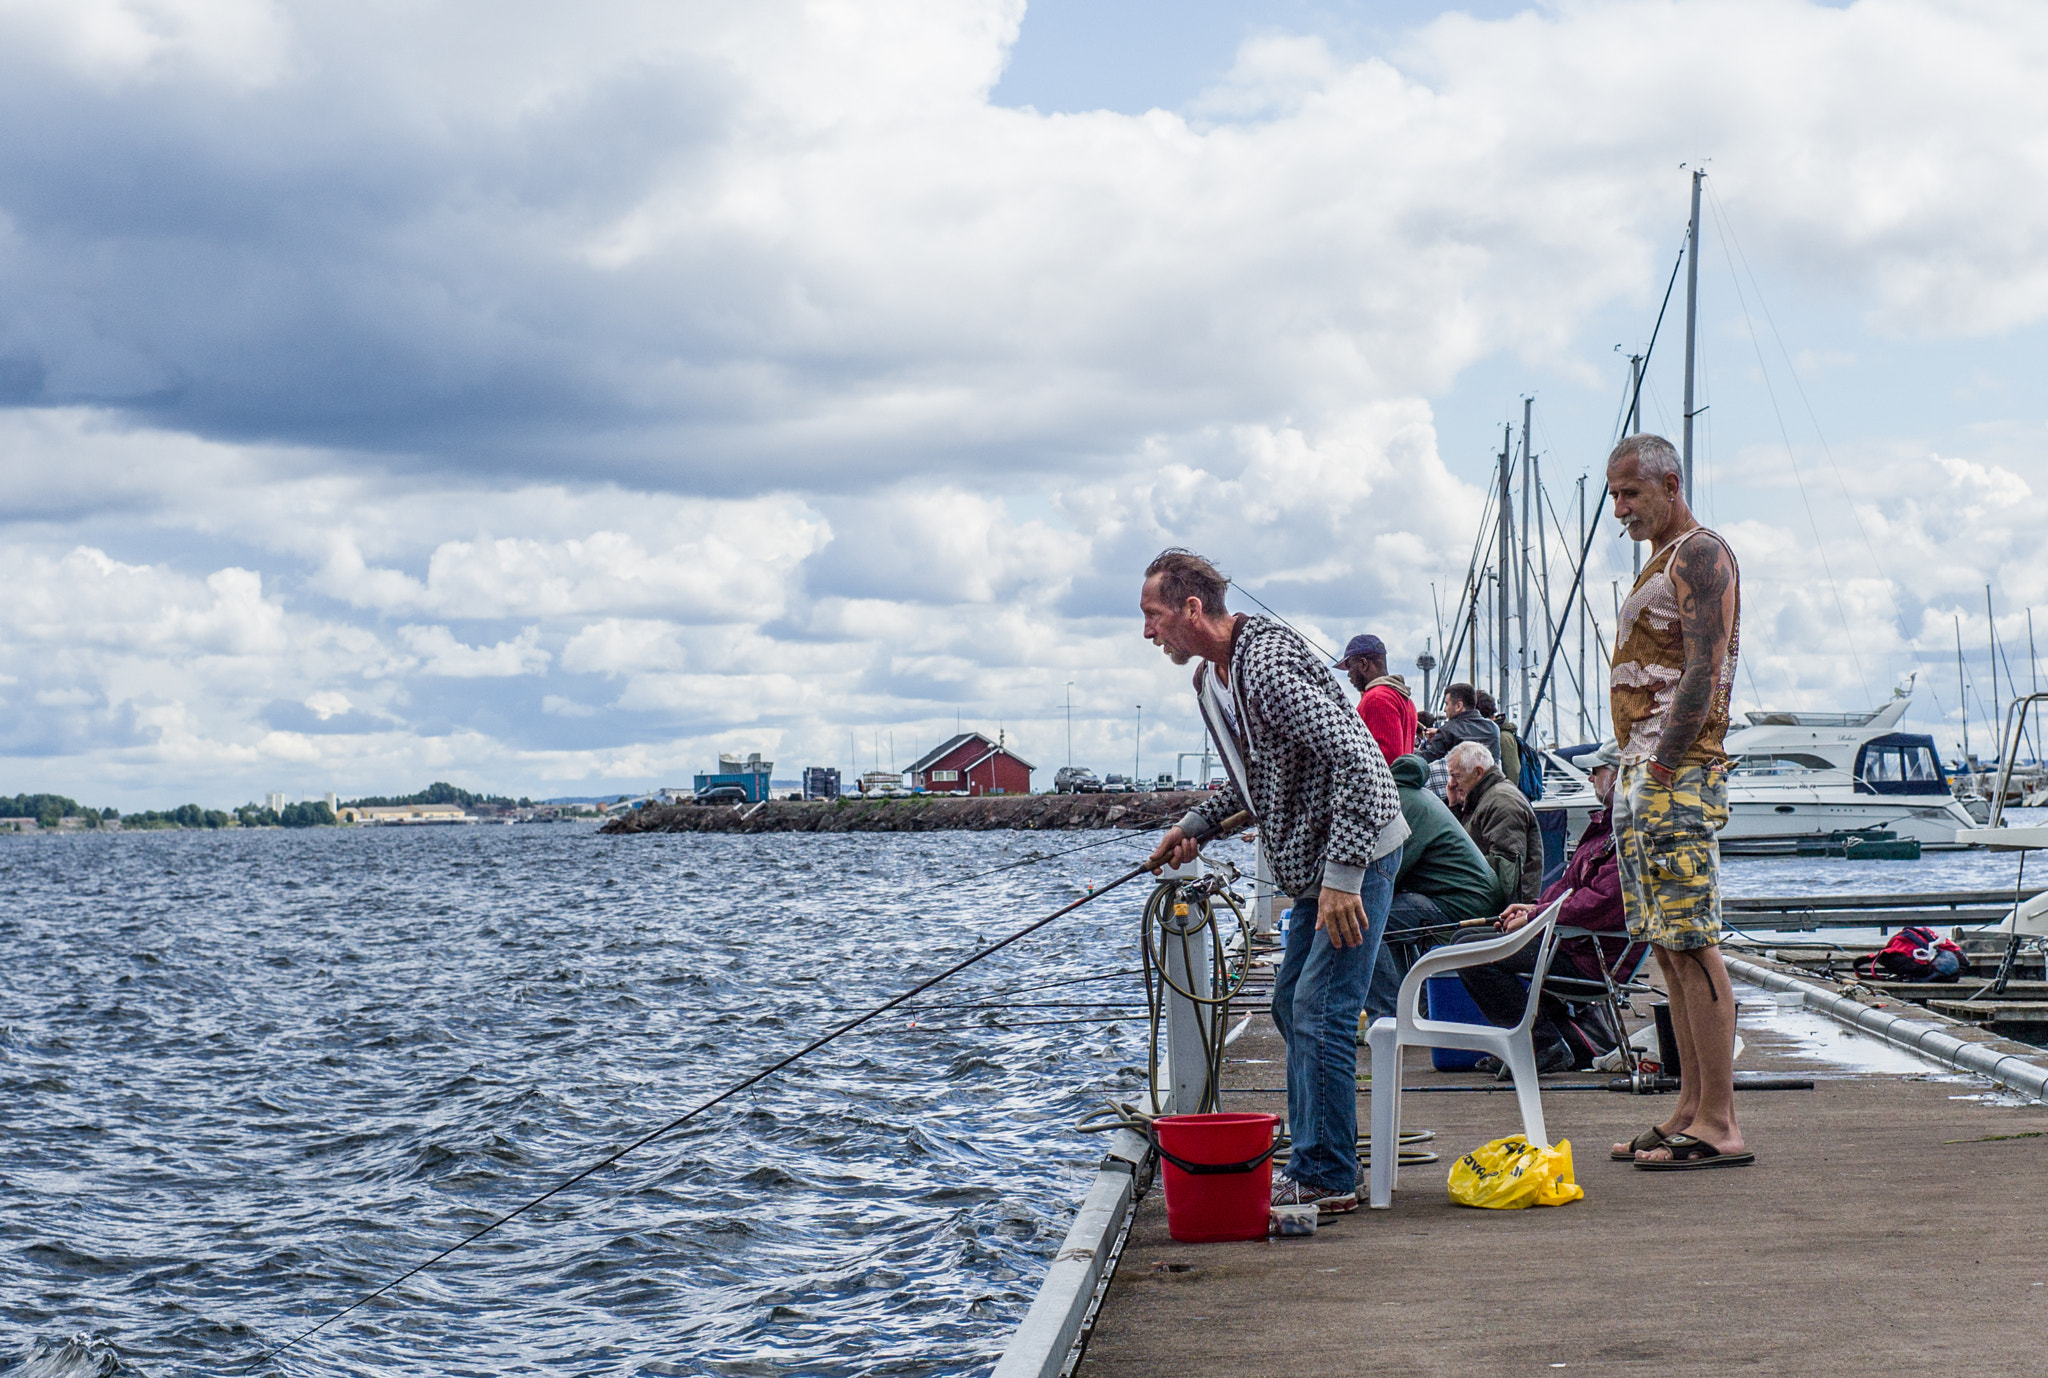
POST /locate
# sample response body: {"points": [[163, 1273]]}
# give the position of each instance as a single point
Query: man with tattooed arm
{"points": [[1670, 681]]}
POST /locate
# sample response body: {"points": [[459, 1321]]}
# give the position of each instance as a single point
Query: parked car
{"points": [[1075, 780], [720, 794], [1218, 783], [1183, 784], [1116, 784]]}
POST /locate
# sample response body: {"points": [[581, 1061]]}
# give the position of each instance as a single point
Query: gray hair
{"points": [[1653, 454], [1470, 756]]}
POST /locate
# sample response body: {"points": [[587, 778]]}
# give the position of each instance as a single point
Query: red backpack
{"points": [[1916, 954]]}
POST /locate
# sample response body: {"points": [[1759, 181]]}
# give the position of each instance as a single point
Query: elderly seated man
{"points": [[1443, 880], [1499, 819], [1593, 877]]}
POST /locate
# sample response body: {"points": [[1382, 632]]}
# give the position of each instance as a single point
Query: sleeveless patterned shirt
{"points": [[1649, 656]]}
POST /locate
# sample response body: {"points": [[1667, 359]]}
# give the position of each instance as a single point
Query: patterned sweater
{"points": [[1300, 760]]}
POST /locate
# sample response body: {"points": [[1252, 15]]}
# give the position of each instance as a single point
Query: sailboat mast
{"points": [[1471, 634], [1543, 585], [1501, 585], [1991, 635], [1584, 688], [1635, 427], [1522, 565], [1962, 691], [1692, 306]]}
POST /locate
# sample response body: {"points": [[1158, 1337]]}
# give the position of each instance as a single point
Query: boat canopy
{"points": [[1900, 763]]}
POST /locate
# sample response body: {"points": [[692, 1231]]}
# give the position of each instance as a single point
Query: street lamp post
{"points": [[1138, 747], [1070, 724]]}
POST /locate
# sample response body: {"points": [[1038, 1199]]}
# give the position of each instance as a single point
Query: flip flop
{"points": [[1688, 1153], [1641, 1143]]}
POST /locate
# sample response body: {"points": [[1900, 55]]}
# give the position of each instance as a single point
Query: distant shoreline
{"points": [[983, 813]]}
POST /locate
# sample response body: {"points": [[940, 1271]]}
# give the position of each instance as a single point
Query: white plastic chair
{"points": [[1408, 1029]]}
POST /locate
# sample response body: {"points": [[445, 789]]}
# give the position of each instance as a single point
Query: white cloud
{"points": [[238, 43], [672, 374], [441, 654], [793, 245]]}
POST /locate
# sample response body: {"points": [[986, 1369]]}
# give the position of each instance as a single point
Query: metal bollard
{"points": [[1186, 964]]}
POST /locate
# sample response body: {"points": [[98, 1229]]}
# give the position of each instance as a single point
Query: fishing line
{"points": [[727, 1094], [1798, 479], [1118, 836], [1728, 233], [1281, 620], [1134, 1015], [1593, 529]]}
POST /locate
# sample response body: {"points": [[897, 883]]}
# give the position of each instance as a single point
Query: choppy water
{"points": [[247, 1076]]}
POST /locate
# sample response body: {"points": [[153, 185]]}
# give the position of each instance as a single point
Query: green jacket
{"points": [[1510, 755], [1439, 859]]}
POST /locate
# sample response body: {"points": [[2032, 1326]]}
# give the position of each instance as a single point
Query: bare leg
{"points": [[1703, 1016], [1688, 1105]]}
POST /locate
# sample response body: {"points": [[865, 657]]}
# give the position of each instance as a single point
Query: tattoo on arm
{"points": [[1703, 579]]}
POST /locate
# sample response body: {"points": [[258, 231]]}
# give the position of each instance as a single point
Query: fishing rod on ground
{"points": [[1229, 825]]}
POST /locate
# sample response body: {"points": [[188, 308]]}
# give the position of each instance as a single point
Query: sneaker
{"points": [[1555, 1058], [1288, 1192]]}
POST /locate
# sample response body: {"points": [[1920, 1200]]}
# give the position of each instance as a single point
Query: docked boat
{"points": [[1804, 775]]}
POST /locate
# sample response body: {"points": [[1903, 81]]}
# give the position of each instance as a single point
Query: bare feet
{"points": [[1677, 1124], [1724, 1139]]}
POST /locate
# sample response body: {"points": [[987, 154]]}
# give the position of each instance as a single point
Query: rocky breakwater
{"points": [[985, 813]]}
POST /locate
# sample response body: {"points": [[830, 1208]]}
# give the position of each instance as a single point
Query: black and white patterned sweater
{"points": [[1306, 767]]}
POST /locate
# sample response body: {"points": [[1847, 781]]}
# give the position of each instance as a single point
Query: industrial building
{"points": [[750, 774]]}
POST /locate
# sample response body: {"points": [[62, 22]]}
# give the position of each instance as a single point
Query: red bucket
{"points": [[1219, 1175]]}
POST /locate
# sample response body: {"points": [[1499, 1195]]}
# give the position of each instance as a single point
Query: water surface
{"points": [[249, 1076]]}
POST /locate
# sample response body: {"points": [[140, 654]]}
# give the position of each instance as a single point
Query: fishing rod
{"points": [[1229, 825]]}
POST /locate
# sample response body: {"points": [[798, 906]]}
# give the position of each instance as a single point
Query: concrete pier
{"points": [[1892, 1224]]}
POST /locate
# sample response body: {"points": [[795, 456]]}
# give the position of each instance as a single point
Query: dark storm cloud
{"points": [[306, 264]]}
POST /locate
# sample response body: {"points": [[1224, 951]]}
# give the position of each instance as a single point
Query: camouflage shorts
{"points": [[1670, 861]]}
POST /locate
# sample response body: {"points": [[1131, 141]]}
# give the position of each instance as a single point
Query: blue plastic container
{"points": [[1445, 997]]}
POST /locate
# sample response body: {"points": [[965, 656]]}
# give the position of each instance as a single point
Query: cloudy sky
{"points": [[547, 398]]}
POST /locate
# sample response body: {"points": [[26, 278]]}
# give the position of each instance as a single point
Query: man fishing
{"points": [[1300, 760], [1671, 677]]}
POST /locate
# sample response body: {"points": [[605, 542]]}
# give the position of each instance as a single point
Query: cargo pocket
{"points": [[1677, 841], [1678, 856]]}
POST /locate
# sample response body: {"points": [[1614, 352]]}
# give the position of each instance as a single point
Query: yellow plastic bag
{"points": [[1511, 1173]]}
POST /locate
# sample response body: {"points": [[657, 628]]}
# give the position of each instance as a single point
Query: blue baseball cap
{"points": [[1364, 645]]}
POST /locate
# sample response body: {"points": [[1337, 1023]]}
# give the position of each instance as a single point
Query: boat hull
{"points": [[1777, 817]]}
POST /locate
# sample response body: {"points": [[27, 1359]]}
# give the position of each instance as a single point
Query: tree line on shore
{"points": [[50, 810]]}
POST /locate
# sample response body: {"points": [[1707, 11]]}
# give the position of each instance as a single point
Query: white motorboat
{"points": [[1800, 775]]}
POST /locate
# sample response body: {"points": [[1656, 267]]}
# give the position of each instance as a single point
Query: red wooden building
{"points": [[971, 764]]}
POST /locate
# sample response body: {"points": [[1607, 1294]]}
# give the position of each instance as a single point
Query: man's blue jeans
{"points": [[1409, 911], [1316, 1000]]}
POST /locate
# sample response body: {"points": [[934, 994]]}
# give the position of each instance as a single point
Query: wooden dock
{"points": [[1889, 1226]]}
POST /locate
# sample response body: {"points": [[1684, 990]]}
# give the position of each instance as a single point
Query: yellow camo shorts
{"points": [[1669, 859]]}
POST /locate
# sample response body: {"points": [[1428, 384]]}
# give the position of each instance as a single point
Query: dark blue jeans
{"points": [[1317, 996], [1408, 911]]}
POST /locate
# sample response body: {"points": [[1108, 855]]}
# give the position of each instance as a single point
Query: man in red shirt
{"points": [[1383, 699]]}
